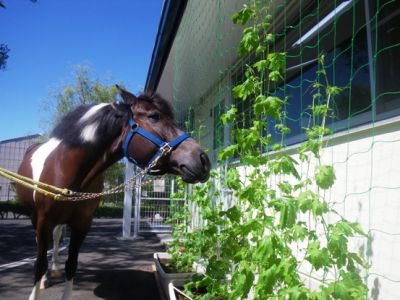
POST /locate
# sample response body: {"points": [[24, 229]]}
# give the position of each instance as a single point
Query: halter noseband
{"points": [[163, 146]]}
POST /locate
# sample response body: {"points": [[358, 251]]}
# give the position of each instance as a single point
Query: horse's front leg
{"points": [[78, 234], [43, 232]]}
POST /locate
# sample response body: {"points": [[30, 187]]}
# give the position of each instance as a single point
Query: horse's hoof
{"points": [[55, 274]]}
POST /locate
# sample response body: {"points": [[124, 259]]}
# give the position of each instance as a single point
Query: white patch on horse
{"points": [[35, 292], [55, 261], [39, 158], [91, 112], [88, 133]]}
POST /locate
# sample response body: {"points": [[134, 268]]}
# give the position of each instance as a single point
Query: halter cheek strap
{"points": [[163, 146]]}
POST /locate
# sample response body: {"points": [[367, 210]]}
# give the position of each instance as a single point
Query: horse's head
{"points": [[151, 125]]}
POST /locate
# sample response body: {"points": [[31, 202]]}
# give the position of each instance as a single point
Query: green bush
{"points": [[109, 208], [13, 207]]}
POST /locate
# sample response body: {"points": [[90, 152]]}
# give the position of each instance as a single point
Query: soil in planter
{"points": [[168, 268], [197, 293]]}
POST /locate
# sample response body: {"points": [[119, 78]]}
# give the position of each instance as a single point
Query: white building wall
{"points": [[367, 191]]}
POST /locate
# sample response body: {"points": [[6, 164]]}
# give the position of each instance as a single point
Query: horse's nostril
{"points": [[205, 160]]}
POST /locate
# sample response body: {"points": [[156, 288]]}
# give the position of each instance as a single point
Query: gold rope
{"points": [[11, 175], [29, 183]]}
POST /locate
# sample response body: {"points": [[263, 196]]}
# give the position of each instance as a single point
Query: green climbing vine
{"points": [[276, 234]]}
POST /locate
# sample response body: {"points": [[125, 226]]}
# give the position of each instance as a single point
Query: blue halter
{"points": [[163, 147]]}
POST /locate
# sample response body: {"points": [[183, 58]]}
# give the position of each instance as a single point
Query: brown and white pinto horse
{"points": [[87, 141]]}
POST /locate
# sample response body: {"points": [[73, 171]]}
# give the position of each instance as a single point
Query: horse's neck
{"points": [[99, 167], [84, 165]]}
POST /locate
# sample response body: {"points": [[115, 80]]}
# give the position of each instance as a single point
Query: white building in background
{"points": [[11, 154], [195, 64]]}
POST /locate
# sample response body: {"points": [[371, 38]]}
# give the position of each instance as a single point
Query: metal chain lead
{"points": [[128, 185]]}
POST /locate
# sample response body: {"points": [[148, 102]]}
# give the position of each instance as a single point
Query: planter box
{"points": [[177, 279]]}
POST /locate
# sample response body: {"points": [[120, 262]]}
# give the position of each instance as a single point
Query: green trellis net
{"points": [[361, 44]]}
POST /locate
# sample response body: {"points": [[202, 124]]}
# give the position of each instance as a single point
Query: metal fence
{"points": [[11, 154], [156, 203]]}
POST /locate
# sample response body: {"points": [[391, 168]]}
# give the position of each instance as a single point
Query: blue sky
{"points": [[48, 38]]}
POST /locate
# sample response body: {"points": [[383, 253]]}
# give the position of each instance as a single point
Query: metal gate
{"points": [[148, 207], [156, 205]]}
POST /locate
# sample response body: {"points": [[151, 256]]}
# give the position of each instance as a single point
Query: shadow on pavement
{"points": [[108, 267]]}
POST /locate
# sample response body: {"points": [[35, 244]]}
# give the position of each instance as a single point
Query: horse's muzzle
{"points": [[196, 169]]}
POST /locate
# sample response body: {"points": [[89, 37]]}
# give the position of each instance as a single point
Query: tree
{"points": [[84, 89], [4, 50], [3, 54], [3, 6]]}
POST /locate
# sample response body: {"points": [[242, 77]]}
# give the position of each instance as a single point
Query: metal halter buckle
{"points": [[166, 148]]}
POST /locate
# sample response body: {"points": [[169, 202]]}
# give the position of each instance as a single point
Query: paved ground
{"points": [[109, 268]]}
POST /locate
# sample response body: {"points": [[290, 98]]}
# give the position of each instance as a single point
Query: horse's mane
{"points": [[161, 104], [110, 119]]}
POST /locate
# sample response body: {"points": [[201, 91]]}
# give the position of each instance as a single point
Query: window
{"points": [[361, 57], [343, 41], [386, 35]]}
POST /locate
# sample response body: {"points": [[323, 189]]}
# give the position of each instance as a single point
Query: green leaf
{"points": [[242, 282], [357, 259], [295, 292], [325, 176], [261, 65], [288, 214], [229, 116], [233, 179], [349, 288], [263, 250], [234, 214], [309, 201], [277, 61], [285, 165], [306, 200], [249, 226], [337, 246], [253, 160], [285, 187], [319, 258], [270, 38], [244, 90], [275, 76], [228, 152], [250, 41], [320, 110], [267, 280], [282, 128], [243, 16], [298, 232], [333, 90], [358, 229]]}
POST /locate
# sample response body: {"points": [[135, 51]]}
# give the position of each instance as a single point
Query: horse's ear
{"points": [[128, 97]]}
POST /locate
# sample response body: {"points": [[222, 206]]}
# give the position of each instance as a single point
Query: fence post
{"points": [[127, 212], [138, 192]]}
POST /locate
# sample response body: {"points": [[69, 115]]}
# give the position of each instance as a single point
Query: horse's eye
{"points": [[154, 117]]}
